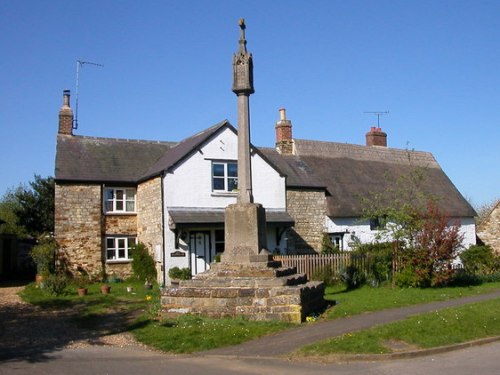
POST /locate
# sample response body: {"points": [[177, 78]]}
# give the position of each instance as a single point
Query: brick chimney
{"points": [[284, 140], [66, 116], [376, 137]]}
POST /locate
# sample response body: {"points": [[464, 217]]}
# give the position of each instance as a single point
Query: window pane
{"points": [[110, 243], [232, 170], [121, 243], [218, 169], [119, 194], [130, 206], [110, 254], [108, 206], [130, 194], [121, 253], [108, 194], [218, 184], [119, 206], [232, 184]]}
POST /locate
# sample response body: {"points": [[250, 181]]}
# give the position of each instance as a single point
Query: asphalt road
{"points": [[110, 361]]}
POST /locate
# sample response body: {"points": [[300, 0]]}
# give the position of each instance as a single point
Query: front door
{"points": [[199, 250]]}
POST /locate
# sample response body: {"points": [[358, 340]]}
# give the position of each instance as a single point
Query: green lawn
{"points": [[188, 334], [368, 299], [438, 328]]}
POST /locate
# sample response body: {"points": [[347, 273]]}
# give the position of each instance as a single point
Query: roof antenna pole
{"points": [[79, 64], [378, 114]]}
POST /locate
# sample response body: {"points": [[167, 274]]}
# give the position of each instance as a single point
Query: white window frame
{"points": [[224, 177], [119, 244], [112, 203]]}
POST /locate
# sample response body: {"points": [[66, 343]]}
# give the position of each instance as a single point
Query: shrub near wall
{"points": [[143, 264]]}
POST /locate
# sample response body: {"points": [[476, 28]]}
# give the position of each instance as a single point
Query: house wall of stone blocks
{"points": [[149, 218], [489, 231], [308, 209], [78, 227]]}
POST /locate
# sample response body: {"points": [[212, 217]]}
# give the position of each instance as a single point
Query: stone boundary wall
{"points": [[308, 209]]}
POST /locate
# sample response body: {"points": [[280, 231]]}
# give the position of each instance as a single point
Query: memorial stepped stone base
{"points": [[263, 291]]}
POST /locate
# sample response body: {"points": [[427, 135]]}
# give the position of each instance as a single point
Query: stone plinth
{"points": [[245, 233], [258, 292]]}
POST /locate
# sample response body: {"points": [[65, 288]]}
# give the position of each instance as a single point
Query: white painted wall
{"points": [[361, 229], [190, 184]]}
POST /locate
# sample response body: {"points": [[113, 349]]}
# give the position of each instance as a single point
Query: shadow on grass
{"points": [[34, 333]]}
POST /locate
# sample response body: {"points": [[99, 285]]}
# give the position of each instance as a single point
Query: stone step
{"points": [[217, 270]]}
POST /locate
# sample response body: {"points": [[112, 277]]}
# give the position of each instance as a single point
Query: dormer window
{"points": [[224, 176], [119, 200]]}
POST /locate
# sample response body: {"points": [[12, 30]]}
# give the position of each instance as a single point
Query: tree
{"points": [[436, 246], [29, 211]]}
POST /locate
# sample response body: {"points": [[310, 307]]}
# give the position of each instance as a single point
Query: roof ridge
{"points": [[123, 139]]}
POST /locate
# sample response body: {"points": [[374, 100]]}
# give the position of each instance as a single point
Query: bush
{"points": [[143, 264], [463, 278], [352, 277], [43, 254], [379, 256], [327, 246], [179, 273], [479, 260], [325, 274], [55, 284]]}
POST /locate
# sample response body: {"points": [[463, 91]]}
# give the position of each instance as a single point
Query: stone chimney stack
{"points": [[284, 139], [66, 116], [376, 137]]}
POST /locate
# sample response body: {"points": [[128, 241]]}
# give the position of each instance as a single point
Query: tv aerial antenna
{"points": [[79, 65], [378, 114]]}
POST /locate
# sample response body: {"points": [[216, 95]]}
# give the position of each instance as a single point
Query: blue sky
{"points": [[434, 65]]}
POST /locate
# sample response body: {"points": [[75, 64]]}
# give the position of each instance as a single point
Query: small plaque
{"points": [[177, 254]]}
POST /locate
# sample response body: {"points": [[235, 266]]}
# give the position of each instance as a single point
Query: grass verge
{"points": [[367, 299], [188, 333], [424, 331]]}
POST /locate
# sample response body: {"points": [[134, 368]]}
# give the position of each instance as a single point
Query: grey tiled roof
{"points": [[182, 216], [93, 159]]}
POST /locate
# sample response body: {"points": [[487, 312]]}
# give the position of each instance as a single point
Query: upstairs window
{"points": [[119, 200], [118, 248], [377, 223], [224, 176]]}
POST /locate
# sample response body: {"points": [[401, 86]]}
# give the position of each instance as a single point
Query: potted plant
{"points": [[177, 274], [105, 289], [43, 254]]}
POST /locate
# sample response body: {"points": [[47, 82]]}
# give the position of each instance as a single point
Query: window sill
{"points": [[120, 213], [118, 261], [224, 194]]}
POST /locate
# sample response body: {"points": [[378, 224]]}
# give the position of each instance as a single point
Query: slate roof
{"points": [[181, 216], [349, 173], [109, 160]]}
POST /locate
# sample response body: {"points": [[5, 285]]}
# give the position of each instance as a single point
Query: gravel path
{"points": [[32, 331]]}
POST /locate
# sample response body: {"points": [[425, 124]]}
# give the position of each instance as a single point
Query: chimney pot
{"points": [[66, 115], [376, 137], [284, 140]]}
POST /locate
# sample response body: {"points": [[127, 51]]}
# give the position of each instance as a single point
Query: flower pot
{"points": [[130, 289], [82, 291], [38, 279], [105, 289]]}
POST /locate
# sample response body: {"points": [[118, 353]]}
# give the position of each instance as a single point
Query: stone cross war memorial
{"points": [[246, 282]]}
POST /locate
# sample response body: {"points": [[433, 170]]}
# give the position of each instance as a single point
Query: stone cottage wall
{"points": [[149, 218], [308, 209], [489, 231], [78, 227]]}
